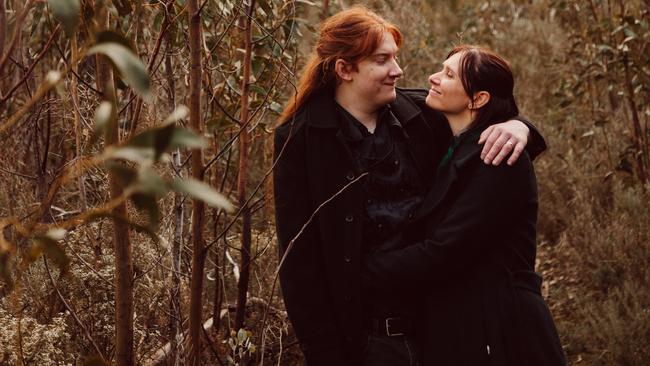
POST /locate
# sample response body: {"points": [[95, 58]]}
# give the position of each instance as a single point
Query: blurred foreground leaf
{"points": [[66, 12], [48, 244], [131, 69], [203, 192]]}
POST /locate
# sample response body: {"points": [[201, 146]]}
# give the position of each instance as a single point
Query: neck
{"points": [[459, 122], [357, 106]]}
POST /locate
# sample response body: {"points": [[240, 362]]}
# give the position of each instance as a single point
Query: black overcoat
{"points": [[475, 267], [320, 276]]}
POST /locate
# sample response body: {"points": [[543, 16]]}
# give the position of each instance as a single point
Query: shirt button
{"points": [[379, 226], [350, 176], [349, 218], [369, 201], [410, 216], [396, 162], [347, 259]]}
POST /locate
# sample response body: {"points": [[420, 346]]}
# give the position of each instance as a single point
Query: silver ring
{"points": [[510, 143]]}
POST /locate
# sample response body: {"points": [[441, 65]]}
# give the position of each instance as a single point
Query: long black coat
{"points": [[475, 268], [320, 277]]}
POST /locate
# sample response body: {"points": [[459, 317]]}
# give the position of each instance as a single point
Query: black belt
{"points": [[391, 327]]}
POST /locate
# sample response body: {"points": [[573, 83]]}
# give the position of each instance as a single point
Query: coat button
{"points": [[347, 259], [350, 176], [349, 218], [347, 298], [349, 339]]}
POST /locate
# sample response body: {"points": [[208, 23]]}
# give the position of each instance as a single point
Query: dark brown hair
{"points": [[350, 35], [483, 70]]}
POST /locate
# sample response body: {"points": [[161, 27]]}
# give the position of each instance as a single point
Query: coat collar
{"points": [[322, 113], [466, 151]]}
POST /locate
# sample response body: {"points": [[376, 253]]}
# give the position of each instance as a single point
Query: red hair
{"points": [[350, 35]]}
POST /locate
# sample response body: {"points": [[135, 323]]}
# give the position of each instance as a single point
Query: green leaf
{"points": [[182, 137], [178, 114], [127, 64], [258, 89], [201, 191], [135, 154], [161, 139], [150, 183], [66, 12], [103, 116]]}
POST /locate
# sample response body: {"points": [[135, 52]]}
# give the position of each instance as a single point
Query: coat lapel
{"points": [[466, 153]]}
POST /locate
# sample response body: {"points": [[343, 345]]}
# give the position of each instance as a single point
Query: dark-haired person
{"points": [[360, 152], [475, 266]]}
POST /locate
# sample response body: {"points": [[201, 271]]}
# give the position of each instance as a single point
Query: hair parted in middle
{"points": [[350, 35]]}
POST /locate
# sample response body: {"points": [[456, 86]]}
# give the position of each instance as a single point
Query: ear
{"points": [[480, 99], [343, 70]]}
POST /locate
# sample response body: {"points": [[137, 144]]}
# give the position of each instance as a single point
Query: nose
{"points": [[434, 79], [396, 71]]}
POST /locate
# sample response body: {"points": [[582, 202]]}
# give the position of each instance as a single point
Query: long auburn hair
{"points": [[483, 70], [350, 35]]}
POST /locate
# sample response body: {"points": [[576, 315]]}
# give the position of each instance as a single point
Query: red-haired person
{"points": [[355, 156], [475, 267]]}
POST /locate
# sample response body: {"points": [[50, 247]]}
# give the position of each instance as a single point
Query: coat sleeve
{"points": [[302, 275], [438, 122], [536, 143], [484, 208]]}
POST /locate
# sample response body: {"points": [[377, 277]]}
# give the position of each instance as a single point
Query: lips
{"points": [[434, 92]]}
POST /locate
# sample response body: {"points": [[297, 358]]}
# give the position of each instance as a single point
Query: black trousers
{"points": [[382, 350]]}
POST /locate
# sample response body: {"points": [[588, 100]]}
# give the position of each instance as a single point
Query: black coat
{"points": [[475, 267], [320, 277]]}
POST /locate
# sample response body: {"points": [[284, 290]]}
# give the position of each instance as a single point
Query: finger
{"points": [[496, 148], [489, 142], [516, 152], [505, 150], [485, 134]]}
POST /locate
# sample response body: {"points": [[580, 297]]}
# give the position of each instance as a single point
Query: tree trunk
{"points": [[198, 207], [242, 178], [175, 317], [121, 239]]}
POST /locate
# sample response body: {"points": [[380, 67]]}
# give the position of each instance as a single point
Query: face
{"points": [[447, 94], [375, 77]]}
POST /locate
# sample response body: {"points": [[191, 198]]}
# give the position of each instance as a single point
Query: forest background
{"points": [[120, 120]]}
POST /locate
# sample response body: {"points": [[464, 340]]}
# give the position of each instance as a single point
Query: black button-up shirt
{"points": [[393, 190]]}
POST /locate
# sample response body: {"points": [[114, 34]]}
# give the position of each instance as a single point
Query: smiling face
{"points": [[447, 94], [373, 80]]}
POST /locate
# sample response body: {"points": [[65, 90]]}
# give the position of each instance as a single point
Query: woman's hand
{"points": [[502, 139]]}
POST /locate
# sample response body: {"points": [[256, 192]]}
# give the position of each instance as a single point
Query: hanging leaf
{"points": [[201, 191], [131, 69], [67, 13]]}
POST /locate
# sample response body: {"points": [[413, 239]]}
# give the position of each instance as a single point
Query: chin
{"points": [[430, 102]]}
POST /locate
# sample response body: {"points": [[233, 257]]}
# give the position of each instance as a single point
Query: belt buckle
{"points": [[388, 332]]}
